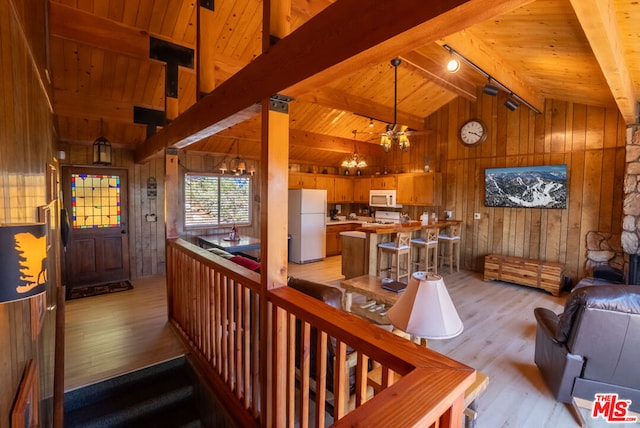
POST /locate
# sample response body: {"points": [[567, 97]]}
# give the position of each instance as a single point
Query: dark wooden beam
{"points": [[338, 40]]}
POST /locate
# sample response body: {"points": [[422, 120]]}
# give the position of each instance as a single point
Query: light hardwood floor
{"points": [[113, 334], [116, 333]]}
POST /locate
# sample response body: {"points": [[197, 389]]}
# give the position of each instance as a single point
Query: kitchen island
{"points": [[378, 233], [366, 239]]}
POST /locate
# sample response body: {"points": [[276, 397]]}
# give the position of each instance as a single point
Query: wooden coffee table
{"points": [[369, 286]]}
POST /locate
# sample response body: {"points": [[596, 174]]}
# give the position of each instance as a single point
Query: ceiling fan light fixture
{"points": [[385, 142], [403, 141]]}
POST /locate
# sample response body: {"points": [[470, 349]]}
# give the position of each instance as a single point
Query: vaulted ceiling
{"points": [[124, 69]]}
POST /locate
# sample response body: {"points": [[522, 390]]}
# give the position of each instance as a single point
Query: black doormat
{"points": [[94, 290]]}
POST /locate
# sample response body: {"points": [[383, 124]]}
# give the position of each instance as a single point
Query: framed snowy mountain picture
{"points": [[526, 187]]}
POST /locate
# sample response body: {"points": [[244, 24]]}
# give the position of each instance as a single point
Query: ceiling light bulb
{"points": [[370, 123], [453, 65]]}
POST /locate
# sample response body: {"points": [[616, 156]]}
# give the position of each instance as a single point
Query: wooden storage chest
{"points": [[548, 276]]}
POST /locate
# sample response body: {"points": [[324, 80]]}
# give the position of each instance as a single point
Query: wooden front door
{"points": [[97, 250]]}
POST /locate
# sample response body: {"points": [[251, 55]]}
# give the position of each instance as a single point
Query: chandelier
{"points": [[395, 133], [354, 161], [238, 166]]}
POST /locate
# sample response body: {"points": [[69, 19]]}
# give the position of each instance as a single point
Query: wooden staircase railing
{"points": [[215, 306]]}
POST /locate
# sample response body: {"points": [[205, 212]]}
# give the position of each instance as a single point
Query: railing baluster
{"points": [[215, 307]]}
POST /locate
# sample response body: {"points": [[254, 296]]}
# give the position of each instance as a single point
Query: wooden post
{"points": [[171, 195], [205, 59], [274, 224]]}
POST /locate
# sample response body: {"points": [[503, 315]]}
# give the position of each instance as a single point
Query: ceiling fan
{"points": [[394, 133]]}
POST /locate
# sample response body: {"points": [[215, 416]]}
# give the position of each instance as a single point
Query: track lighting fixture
{"points": [[453, 65], [370, 123], [492, 87], [511, 103]]}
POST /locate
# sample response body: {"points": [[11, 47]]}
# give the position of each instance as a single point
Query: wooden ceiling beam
{"points": [[72, 104], [340, 100], [598, 21], [74, 24], [337, 41], [485, 57], [435, 71]]}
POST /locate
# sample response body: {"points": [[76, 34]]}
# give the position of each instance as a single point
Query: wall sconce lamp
{"points": [[493, 86], [23, 271]]}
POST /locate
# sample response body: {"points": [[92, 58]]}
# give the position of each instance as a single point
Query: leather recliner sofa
{"points": [[593, 346]]}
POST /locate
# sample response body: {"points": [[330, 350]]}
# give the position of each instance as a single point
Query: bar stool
{"points": [[430, 245], [449, 247], [395, 250]]}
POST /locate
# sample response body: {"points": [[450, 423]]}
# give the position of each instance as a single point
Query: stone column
{"points": [[631, 210]]}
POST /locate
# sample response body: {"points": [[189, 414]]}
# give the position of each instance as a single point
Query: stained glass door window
{"points": [[95, 201]]}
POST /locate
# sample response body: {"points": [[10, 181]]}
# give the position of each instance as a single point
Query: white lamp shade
{"points": [[425, 309]]}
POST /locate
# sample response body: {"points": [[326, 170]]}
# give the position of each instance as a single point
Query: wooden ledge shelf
{"points": [[548, 276]]}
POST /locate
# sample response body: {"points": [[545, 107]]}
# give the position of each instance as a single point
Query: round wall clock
{"points": [[473, 132]]}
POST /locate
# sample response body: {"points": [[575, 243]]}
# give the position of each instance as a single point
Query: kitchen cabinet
{"points": [[384, 182], [301, 180], [334, 239], [344, 189], [424, 188], [405, 194], [327, 182], [416, 189], [361, 187]]}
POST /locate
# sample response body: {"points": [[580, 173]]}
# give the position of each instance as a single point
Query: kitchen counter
{"points": [[344, 220]]}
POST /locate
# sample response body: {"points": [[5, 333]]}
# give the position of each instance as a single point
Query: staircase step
{"points": [[100, 391], [162, 394]]}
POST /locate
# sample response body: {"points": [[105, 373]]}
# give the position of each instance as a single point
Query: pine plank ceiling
{"points": [[108, 81]]}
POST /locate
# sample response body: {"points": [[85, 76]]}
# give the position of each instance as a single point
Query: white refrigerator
{"points": [[307, 224]]}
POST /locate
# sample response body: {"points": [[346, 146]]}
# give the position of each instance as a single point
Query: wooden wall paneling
{"points": [[135, 221], [607, 188], [483, 226], [595, 127], [618, 188], [467, 195], [25, 150]]}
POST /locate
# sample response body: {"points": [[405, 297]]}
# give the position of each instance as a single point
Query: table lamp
{"points": [[425, 309], [23, 271]]}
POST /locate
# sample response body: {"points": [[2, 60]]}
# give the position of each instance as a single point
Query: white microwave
{"points": [[382, 198]]}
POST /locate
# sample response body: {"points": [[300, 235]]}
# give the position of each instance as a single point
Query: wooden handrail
{"points": [[213, 303]]}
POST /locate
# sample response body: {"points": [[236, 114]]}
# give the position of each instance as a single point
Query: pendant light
{"points": [[101, 149]]}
